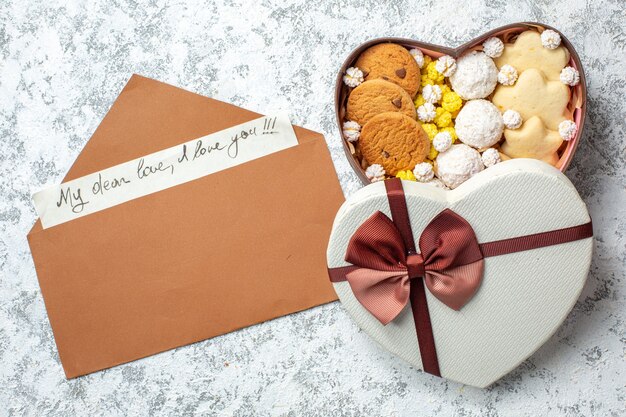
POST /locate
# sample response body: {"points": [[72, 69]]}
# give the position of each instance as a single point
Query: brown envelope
{"points": [[204, 258]]}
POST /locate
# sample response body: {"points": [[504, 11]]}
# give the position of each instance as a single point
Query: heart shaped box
{"points": [[524, 296], [578, 101]]}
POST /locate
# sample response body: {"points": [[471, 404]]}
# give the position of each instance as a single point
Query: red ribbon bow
{"points": [[384, 264], [450, 262]]}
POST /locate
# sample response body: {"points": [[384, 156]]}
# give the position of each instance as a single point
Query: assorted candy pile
{"points": [[442, 120]]}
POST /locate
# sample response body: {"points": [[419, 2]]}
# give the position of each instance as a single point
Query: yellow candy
{"points": [[433, 74], [444, 89], [419, 100], [432, 153], [443, 117], [406, 175], [430, 129], [426, 80], [451, 101], [427, 60], [451, 131]]}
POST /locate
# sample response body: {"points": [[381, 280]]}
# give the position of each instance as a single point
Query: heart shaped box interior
{"points": [[577, 104], [523, 297]]}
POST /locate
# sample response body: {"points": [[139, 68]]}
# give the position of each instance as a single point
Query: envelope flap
{"points": [[149, 116]]}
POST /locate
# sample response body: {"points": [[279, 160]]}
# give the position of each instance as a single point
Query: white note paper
{"points": [[164, 169]]}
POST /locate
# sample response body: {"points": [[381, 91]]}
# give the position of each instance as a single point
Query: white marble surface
{"points": [[61, 67]]}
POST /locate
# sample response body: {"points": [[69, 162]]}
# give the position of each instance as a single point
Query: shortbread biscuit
{"points": [[395, 141], [393, 63], [533, 95], [528, 52], [532, 140], [378, 96]]}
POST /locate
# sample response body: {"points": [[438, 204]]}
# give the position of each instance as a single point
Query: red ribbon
{"points": [[387, 271]]}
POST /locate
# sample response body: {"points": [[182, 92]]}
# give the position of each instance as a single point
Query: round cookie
{"points": [[479, 124], [458, 164], [476, 76], [378, 96], [395, 141], [391, 62]]}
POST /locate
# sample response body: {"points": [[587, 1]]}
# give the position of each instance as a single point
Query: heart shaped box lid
{"points": [[523, 297]]}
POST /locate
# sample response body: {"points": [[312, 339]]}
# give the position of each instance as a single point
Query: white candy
{"points": [[512, 119], [353, 77], [570, 76], [479, 124], [442, 141], [351, 131], [426, 112], [491, 157], [493, 47], [375, 173], [458, 164], [423, 172], [476, 76], [550, 39], [507, 75], [567, 129], [419, 57], [431, 93], [446, 65]]}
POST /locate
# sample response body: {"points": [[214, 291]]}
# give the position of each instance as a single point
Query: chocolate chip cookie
{"points": [[378, 96], [391, 62], [395, 141]]}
